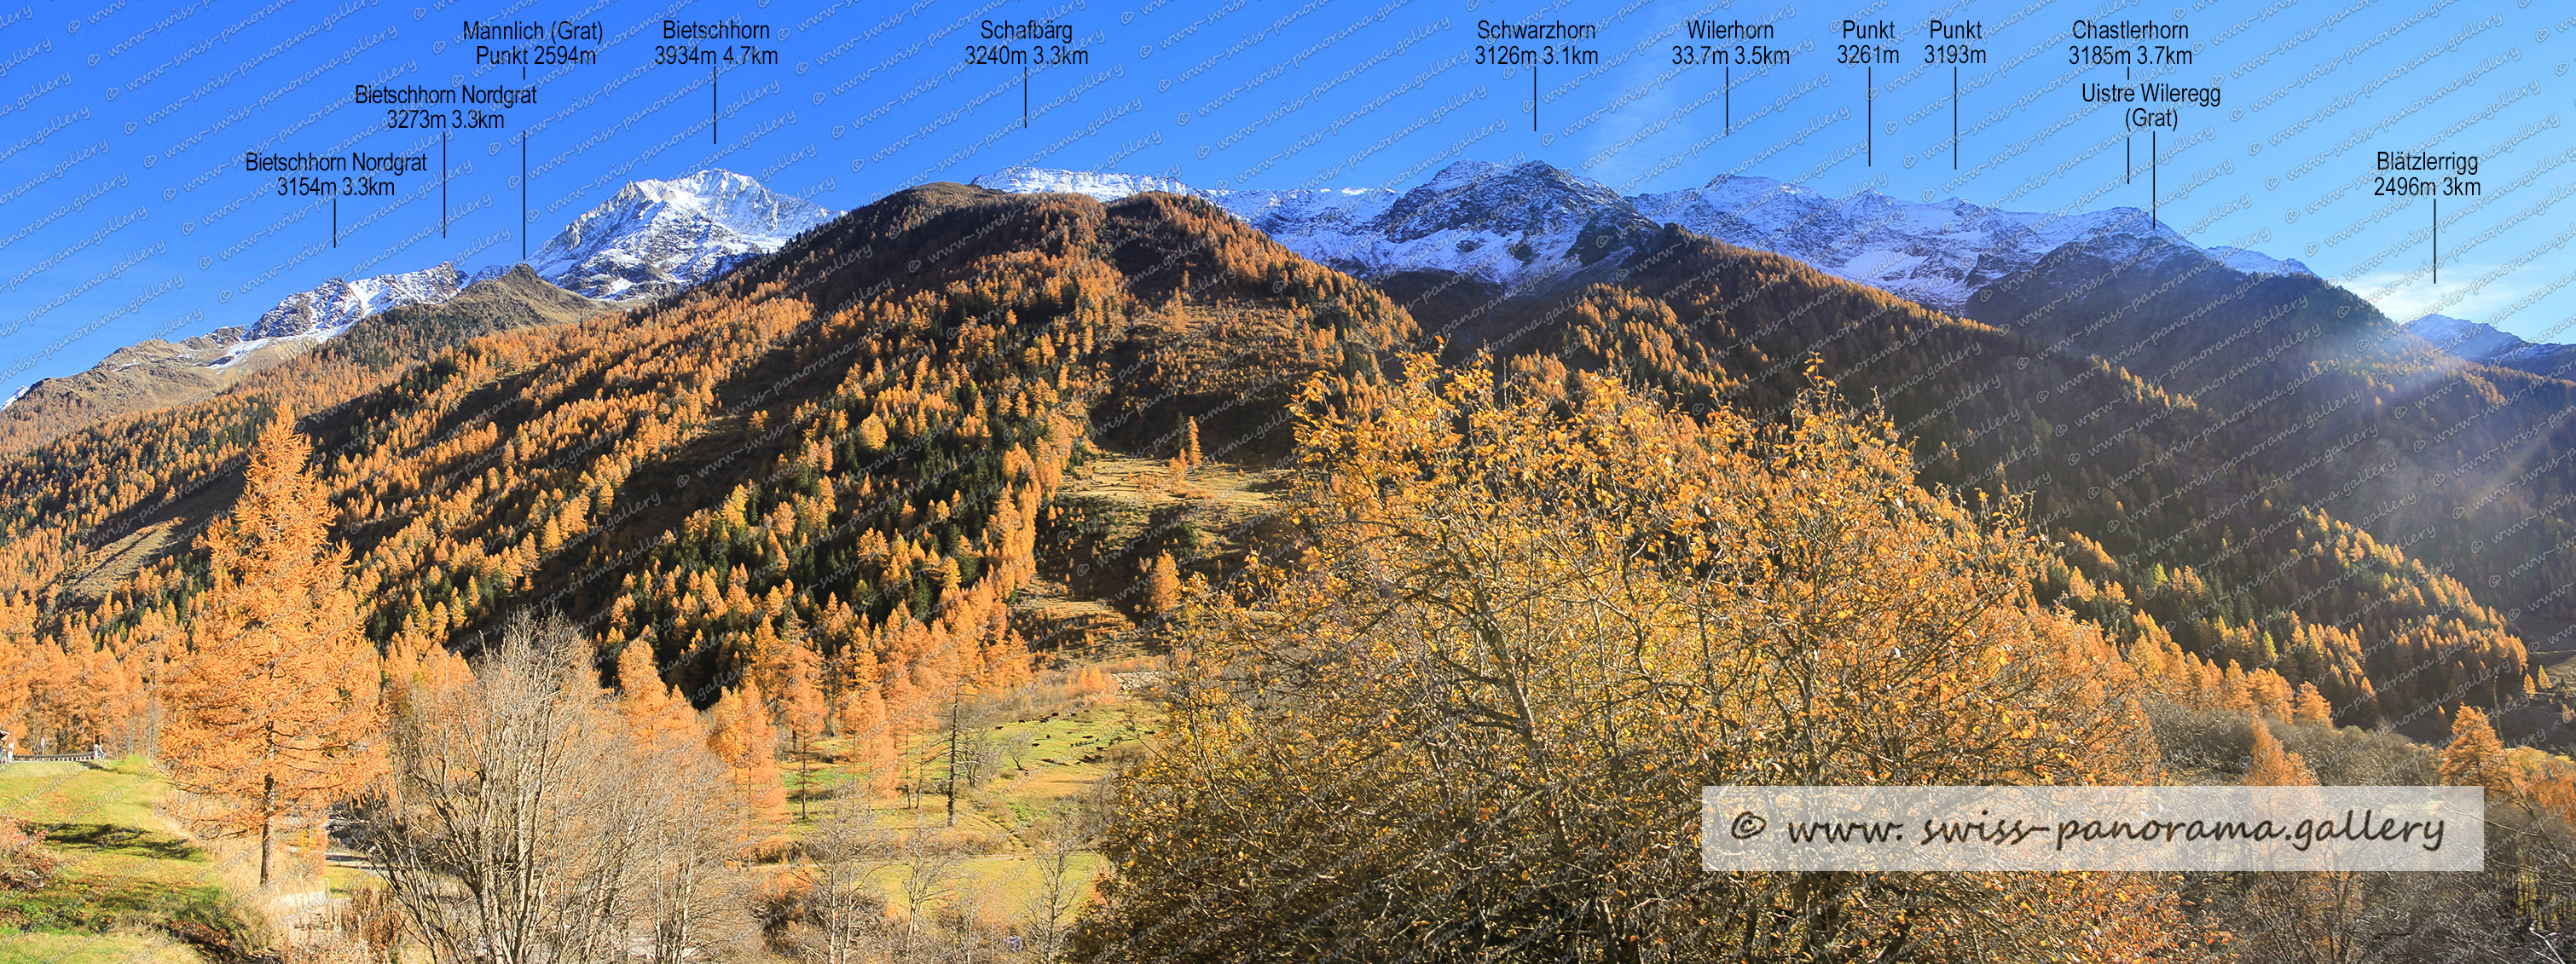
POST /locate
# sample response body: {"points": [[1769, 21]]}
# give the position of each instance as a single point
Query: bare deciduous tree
{"points": [[843, 920], [932, 879], [1059, 886], [524, 826]]}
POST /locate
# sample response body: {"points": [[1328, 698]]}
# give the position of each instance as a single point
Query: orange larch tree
{"points": [[801, 702], [1162, 586], [655, 716], [741, 734], [272, 708], [2475, 757], [2275, 766]]}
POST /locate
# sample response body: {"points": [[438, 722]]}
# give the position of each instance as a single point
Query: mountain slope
{"points": [[854, 445], [402, 336], [826, 448], [2347, 410], [146, 375], [157, 374], [2181, 530]]}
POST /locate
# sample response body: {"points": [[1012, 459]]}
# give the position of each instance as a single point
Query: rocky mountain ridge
{"points": [[1530, 225], [2487, 346]]}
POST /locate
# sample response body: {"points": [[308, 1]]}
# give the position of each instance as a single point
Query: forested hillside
{"points": [[2327, 403], [2182, 516]]}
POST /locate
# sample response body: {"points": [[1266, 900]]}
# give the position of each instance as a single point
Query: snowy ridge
{"points": [[1937, 253], [651, 238], [2256, 262], [1519, 227], [1530, 225], [330, 309], [1314, 212], [2462, 338], [656, 237], [1097, 186]]}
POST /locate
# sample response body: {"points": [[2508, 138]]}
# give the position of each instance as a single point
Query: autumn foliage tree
{"points": [[741, 734], [655, 716], [802, 704], [272, 708], [1471, 720], [2475, 757], [2274, 766], [1162, 585]]}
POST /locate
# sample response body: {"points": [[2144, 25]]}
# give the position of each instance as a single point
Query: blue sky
{"points": [[125, 211]]}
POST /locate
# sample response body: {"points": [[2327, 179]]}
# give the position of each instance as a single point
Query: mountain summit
{"points": [[657, 237], [650, 239]]}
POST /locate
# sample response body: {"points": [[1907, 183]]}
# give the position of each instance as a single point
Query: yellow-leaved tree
{"points": [[741, 734], [272, 710], [2275, 766], [1531, 620], [2475, 757]]}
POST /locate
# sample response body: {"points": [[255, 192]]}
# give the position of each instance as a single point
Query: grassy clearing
{"points": [[1046, 753], [129, 879], [32, 948]]}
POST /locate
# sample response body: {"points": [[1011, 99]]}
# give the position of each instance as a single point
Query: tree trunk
{"points": [[267, 824], [954, 709]]}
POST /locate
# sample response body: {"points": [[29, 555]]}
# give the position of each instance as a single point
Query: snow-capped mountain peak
{"points": [[1534, 199], [1514, 226], [654, 237], [1938, 253], [1520, 227], [650, 238], [2484, 344]]}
